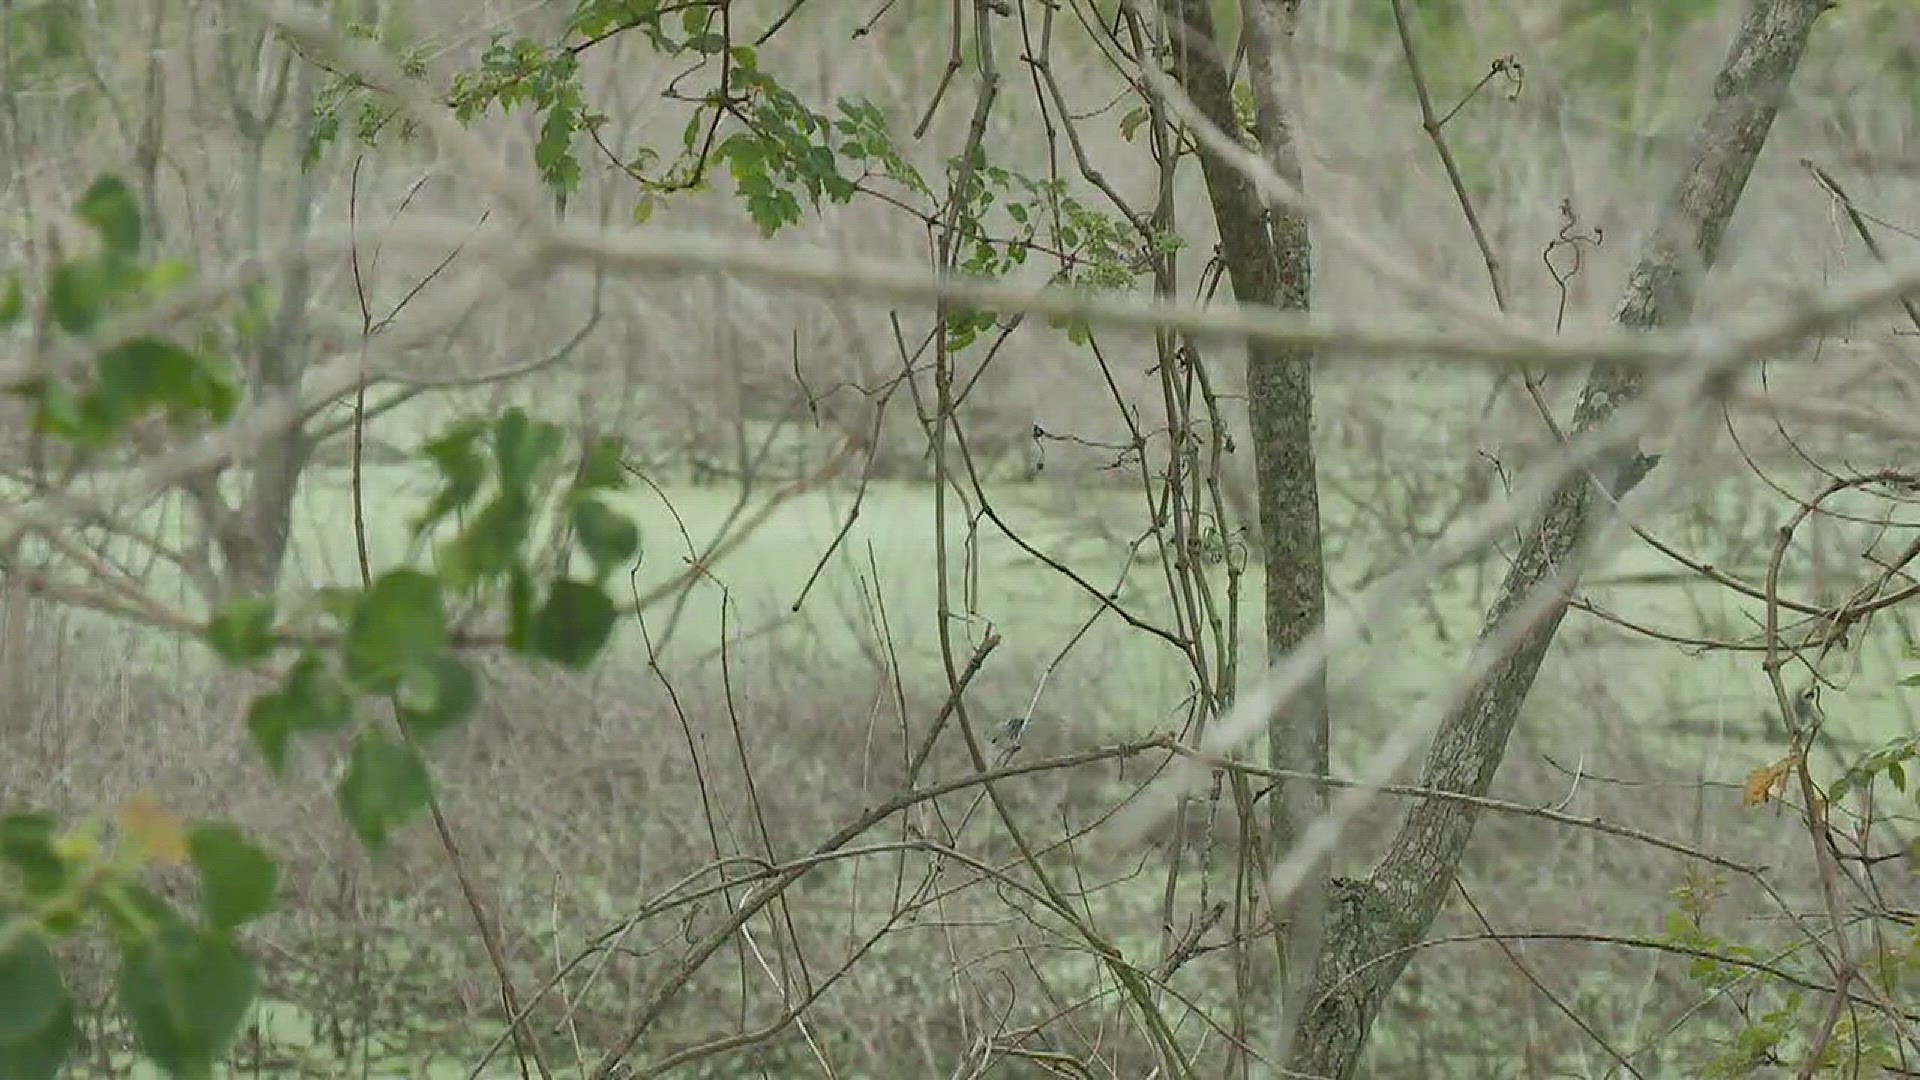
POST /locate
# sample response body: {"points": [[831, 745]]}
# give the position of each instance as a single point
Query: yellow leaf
{"points": [[151, 832], [1767, 782], [80, 845]]}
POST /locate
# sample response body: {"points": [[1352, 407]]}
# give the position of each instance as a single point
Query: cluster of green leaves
{"points": [[130, 380], [1094, 250], [1889, 762], [784, 156], [346, 96], [786, 149], [572, 621], [597, 20], [394, 638], [1776, 1015], [185, 985], [524, 73], [1721, 966]]}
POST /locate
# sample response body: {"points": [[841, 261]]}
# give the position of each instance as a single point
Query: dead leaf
{"points": [[155, 833], [1767, 782]]}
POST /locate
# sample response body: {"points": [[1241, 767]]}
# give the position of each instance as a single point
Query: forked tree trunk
{"points": [[1371, 925]]}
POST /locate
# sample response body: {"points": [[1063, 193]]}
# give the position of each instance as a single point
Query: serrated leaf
{"points": [[242, 630], [609, 539], [401, 620], [31, 989], [112, 211], [573, 625], [186, 993], [385, 785], [237, 879], [437, 695]]}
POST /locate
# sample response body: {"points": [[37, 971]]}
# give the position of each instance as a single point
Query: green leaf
{"points": [[60, 415], [186, 993], [339, 602], [437, 695], [13, 302], [603, 466], [242, 631], [237, 879], [312, 699], [149, 373], [110, 208], [385, 785], [76, 296], [135, 915], [41, 1055], [401, 621], [609, 539], [521, 447], [31, 990], [573, 625], [167, 274], [492, 542], [26, 844], [1838, 790], [462, 471], [519, 610]]}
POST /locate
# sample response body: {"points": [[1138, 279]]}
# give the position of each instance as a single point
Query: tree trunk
{"points": [[1372, 925], [1269, 259], [253, 536]]}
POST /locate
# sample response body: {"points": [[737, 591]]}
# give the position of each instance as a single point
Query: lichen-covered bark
{"points": [[1269, 260], [1268, 255], [1372, 924]]}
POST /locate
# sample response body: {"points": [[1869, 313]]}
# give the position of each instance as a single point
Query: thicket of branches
{"points": [[1109, 257]]}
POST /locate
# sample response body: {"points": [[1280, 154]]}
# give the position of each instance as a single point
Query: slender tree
{"points": [[1350, 943]]}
